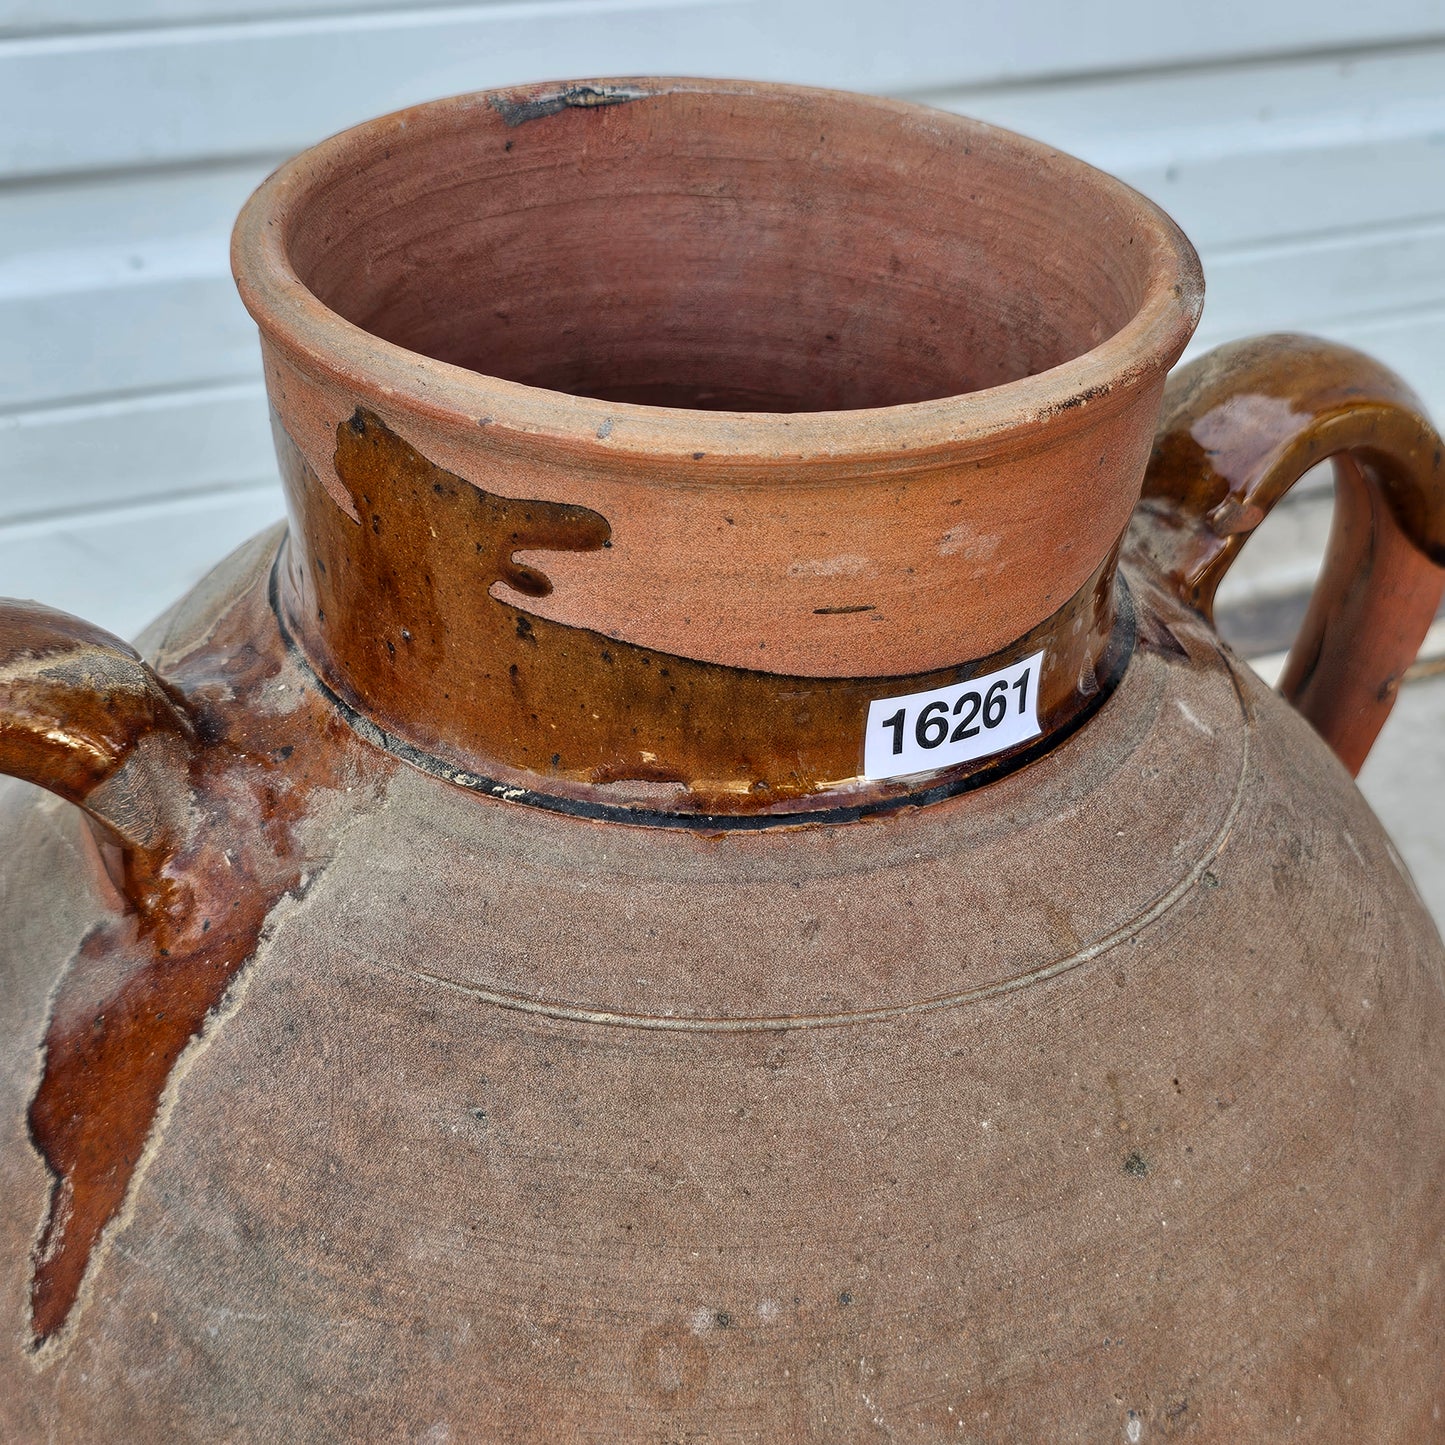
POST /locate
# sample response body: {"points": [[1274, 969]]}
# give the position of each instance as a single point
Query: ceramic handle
{"points": [[1240, 426], [84, 717]]}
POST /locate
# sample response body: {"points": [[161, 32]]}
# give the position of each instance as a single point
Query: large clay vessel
{"points": [[716, 881]]}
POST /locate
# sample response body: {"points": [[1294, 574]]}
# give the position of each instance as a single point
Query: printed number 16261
{"points": [[976, 718]]}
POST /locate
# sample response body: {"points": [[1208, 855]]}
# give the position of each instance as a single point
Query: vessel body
{"points": [[1108, 1092]]}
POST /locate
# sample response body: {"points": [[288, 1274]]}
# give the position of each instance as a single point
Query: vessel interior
{"points": [[742, 252]]}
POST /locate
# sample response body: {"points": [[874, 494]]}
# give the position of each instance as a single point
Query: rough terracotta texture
{"points": [[1002, 1112], [366, 1072], [951, 342]]}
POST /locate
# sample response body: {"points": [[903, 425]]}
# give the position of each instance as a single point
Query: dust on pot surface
{"points": [[716, 880]]}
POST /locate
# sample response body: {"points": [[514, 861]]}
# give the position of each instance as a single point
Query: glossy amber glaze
{"points": [[884, 466], [83, 713], [202, 801], [1240, 427]]}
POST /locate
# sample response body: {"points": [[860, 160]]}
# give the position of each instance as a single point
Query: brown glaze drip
{"points": [[109, 1052], [144, 983], [399, 613], [505, 527]]}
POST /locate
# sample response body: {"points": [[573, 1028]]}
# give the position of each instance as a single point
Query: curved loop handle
{"points": [[1240, 426], [82, 716]]}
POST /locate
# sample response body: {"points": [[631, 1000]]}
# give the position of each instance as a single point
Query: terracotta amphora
{"points": [[715, 881]]}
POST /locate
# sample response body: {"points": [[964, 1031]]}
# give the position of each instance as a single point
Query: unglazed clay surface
{"points": [[909, 358], [535, 1128]]}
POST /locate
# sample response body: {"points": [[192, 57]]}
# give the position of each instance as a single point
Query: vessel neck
{"points": [[420, 649]]}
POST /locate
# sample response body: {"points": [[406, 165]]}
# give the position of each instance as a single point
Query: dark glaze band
{"points": [[843, 804], [394, 604]]}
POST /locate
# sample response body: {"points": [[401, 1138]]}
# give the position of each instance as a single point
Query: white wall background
{"points": [[1301, 145]]}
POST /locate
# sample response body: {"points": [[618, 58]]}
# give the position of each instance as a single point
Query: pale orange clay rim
{"points": [[324, 342]]}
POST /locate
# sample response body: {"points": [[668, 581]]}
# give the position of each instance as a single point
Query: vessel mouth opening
{"points": [[753, 250]]}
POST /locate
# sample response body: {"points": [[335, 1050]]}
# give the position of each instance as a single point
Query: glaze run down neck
{"points": [[641, 438]]}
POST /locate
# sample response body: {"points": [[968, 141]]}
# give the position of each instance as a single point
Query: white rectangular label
{"points": [[923, 731]]}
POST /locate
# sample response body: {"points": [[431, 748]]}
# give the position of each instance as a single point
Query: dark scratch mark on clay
{"points": [[519, 109]]}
